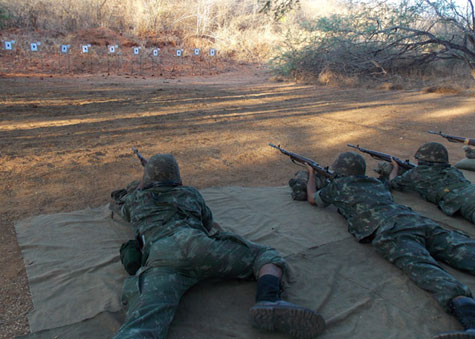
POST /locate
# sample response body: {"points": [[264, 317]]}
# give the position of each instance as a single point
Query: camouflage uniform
{"points": [[405, 238], [179, 252], [438, 182]]}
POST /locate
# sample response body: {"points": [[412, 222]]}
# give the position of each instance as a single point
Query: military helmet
{"points": [[349, 163], [432, 152], [161, 167]]}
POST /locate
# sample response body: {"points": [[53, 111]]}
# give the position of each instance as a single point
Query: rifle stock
{"points": [[294, 157], [384, 156], [454, 138]]}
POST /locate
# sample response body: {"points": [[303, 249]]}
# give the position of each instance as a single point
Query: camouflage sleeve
{"points": [[385, 182], [322, 196], [402, 181], [124, 210], [207, 217], [319, 201]]}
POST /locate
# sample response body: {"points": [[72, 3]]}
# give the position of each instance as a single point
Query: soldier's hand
{"points": [[310, 169]]}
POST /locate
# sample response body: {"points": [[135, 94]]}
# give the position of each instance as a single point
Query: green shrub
{"points": [[4, 17]]}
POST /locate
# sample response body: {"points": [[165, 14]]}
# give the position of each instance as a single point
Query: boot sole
{"points": [[298, 322]]}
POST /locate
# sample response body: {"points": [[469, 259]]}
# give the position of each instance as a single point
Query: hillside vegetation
{"points": [[344, 42]]}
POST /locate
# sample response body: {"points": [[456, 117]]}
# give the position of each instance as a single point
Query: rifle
{"points": [[453, 138], [294, 157], [143, 161], [385, 157]]}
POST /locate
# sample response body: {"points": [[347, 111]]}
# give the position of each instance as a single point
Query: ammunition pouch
{"points": [[131, 256]]}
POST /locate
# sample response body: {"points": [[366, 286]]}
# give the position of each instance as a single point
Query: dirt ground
{"points": [[65, 141]]}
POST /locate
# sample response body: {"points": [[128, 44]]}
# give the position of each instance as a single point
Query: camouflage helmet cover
{"points": [[432, 152], [349, 163], [161, 167]]}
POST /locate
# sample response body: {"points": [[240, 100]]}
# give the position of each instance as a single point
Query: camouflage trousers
{"points": [[414, 245], [178, 262], [464, 198]]}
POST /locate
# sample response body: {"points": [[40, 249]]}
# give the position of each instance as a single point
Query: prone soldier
{"points": [[405, 238], [437, 181], [178, 248]]}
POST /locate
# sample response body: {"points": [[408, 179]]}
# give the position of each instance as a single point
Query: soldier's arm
{"points": [[401, 181], [206, 216], [313, 197], [394, 171], [311, 190], [125, 212]]}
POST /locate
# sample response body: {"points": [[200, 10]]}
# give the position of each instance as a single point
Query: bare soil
{"points": [[65, 141]]}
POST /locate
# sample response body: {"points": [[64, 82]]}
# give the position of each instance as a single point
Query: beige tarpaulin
{"points": [[75, 274]]}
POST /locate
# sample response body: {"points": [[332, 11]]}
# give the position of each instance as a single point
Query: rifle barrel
{"points": [[455, 138], [384, 156], [325, 171]]}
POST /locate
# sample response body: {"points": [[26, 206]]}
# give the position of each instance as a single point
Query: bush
{"points": [[379, 39], [4, 17]]}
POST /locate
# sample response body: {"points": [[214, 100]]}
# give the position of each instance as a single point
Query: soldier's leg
{"points": [[453, 248], [227, 255], [458, 250], [407, 251], [464, 310], [160, 291], [230, 256]]}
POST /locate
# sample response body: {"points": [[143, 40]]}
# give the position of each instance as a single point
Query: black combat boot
{"points": [[464, 310], [273, 314]]}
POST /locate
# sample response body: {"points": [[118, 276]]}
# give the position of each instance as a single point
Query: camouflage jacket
{"points": [[159, 211], [366, 203], [440, 184]]}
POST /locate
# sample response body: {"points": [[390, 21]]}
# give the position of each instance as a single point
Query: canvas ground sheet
{"points": [[75, 275]]}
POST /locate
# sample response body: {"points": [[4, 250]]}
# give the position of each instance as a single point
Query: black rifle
{"points": [[324, 171], [385, 157], [454, 138], [143, 161]]}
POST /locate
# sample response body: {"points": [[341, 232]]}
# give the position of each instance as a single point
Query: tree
{"points": [[438, 29], [381, 36], [278, 8]]}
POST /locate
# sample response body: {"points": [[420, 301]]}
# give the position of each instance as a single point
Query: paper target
{"points": [[85, 48], [178, 52], [197, 51], [64, 48], [155, 52], [136, 50], [8, 45], [212, 52], [34, 47], [111, 49]]}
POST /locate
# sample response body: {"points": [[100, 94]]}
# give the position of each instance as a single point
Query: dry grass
{"points": [[389, 86], [234, 27], [332, 79], [445, 89]]}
